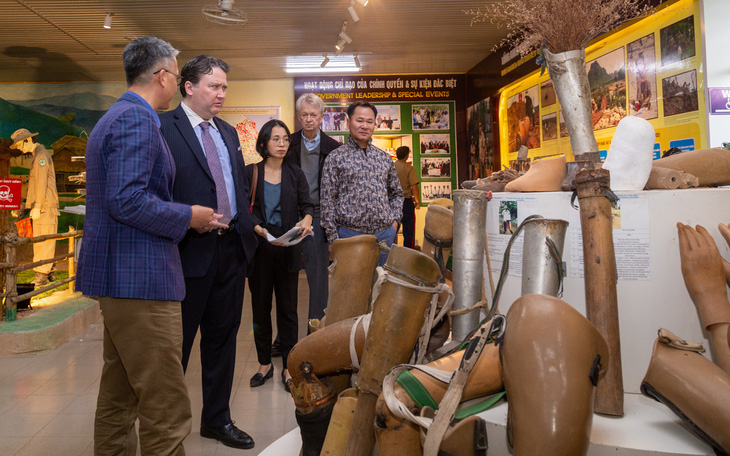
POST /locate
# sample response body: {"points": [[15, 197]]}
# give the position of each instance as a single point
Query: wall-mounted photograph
{"points": [[433, 190], [678, 41], [335, 119], [680, 93], [435, 167], [550, 126], [547, 94], [607, 78], [430, 116], [642, 78], [523, 120], [563, 128], [388, 118], [436, 144], [481, 150]]}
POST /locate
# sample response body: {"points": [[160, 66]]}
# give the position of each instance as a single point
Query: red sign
{"points": [[10, 193]]}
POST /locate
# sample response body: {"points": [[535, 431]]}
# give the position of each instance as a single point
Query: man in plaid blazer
{"points": [[129, 259]]}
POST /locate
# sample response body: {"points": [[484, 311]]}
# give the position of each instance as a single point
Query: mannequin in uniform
{"points": [[42, 200]]}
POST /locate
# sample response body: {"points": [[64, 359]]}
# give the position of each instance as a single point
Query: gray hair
{"points": [[143, 55], [311, 99]]}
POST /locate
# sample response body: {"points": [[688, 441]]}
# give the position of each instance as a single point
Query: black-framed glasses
{"points": [[177, 76]]}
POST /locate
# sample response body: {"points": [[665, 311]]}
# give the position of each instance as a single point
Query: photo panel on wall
{"points": [[434, 190], [436, 167], [388, 118], [435, 144], [335, 119], [433, 116]]}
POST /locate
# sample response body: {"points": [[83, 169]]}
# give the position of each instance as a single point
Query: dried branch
{"points": [[560, 25]]}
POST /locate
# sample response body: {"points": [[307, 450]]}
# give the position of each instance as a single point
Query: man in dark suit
{"points": [[210, 171], [308, 149], [131, 262]]}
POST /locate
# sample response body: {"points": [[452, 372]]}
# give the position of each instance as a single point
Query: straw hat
{"points": [[20, 134]]}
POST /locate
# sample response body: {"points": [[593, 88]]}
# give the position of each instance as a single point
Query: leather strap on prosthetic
{"points": [[552, 358], [694, 388], [438, 235], [396, 322]]}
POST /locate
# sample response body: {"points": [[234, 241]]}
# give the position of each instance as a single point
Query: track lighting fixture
{"points": [[353, 13], [345, 37], [108, 21], [357, 60], [325, 61], [363, 2], [338, 50], [340, 45]]}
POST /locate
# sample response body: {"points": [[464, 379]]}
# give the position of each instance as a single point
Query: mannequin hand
{"points": [[725, 231], [702, 266], [35, 213]]}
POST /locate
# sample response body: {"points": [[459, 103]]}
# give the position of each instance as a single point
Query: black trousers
{"points": [[408, 222], [271, 276], [214, 304]]}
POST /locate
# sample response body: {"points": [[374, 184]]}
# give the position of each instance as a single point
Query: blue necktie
{"points": [[214, 163]]}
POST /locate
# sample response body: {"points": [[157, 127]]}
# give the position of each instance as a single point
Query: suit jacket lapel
{"points": [[186, 131]]}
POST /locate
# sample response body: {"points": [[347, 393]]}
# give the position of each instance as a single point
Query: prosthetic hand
{"points": [[704, 277]]}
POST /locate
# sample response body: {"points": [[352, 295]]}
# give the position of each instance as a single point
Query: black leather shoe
{"points": [[228, 435], [259, 379], [285, 382], [276, 349]]}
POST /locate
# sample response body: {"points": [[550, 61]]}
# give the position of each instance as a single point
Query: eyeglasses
{"points": [[277, 140], [177, 76]]}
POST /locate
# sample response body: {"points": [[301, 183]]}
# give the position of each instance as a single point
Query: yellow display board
{"points": [[651, 69]]}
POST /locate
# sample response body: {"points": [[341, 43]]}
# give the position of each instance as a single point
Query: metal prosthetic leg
{"points": [[552, 357], [542, 269], [397, 436], [692, 386], [470, 219], [397, 317], [318, 355], [352, 277]]}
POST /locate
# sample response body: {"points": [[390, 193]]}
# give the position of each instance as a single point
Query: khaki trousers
{"points": [[45, 224], [142, 379]]}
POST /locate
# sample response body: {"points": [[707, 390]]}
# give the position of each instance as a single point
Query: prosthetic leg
{"points": [[438, 234], [710, 166], [352, 277], [692, 387], [396, 321], [552, 357], [322, 353], [397, 436]]}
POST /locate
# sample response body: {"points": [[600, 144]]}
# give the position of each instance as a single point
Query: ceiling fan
{"points": [[224, 13]]}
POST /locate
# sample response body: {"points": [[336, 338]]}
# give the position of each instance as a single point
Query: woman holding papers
{"points": [[281, 203]]}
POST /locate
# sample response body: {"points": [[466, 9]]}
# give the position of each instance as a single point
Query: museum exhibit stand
{"points": [[651, 295]]}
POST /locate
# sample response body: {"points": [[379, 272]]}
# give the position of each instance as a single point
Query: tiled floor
{"points": [[47, 399]]}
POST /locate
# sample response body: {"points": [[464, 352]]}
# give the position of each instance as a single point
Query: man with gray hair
{"points": [[308, 149], [130, 260]]}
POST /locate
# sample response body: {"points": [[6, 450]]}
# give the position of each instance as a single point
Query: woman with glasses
{"points": [[281, 203]]}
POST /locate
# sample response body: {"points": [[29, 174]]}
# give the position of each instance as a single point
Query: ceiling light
{"points": [[345, 37], [338, 50], [314, 64], [363, 2], [356, 59], [353, 13], [340, 44], [325, 61], [108, 21]]}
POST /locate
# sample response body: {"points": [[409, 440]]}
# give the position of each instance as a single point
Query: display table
{"points": [[647, 429]]}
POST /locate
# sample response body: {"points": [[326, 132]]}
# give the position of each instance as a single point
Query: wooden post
{"points": [[11, 279], [600, 278], [71, 261]]}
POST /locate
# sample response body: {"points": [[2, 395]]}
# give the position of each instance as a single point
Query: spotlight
{"points": [[346, 37], [325, 61], [353, 13], [340, 45], [363, 2], [108, 21], [339, 50], [357, 60]]}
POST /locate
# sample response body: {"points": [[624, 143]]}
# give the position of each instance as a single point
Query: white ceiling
{"points": [[63, 40]]}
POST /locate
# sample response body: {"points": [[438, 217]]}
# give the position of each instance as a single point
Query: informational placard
{"points": [[650, 69], [10, 193]]}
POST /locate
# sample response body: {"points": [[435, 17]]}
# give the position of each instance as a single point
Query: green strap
{"points": [[423, 398], [415, 389]]}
